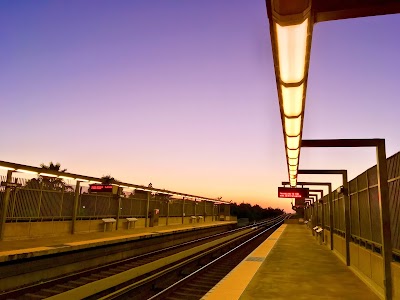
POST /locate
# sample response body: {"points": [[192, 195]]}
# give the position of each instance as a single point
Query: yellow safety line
{"points": [[232, 285]]}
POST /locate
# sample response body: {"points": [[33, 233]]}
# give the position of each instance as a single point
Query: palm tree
{"points": [[52, 183], [107, 179]]}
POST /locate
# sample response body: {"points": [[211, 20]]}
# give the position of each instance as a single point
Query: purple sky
{"points": [[182, 93]]}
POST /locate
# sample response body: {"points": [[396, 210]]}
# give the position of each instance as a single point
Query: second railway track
{"points": [[141, 274]]}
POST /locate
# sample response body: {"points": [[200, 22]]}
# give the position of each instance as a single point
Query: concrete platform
{"points": [[291, 264], [20, 249]]}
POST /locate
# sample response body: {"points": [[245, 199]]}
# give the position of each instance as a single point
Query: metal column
{"points": [[146, 221], [76, 202], [5, 204], [385, 218], [346, 200]]}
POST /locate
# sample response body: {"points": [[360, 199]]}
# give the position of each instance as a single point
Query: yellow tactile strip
{"points": [[233, 284]]}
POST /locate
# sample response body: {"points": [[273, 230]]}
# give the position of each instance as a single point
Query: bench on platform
{"points": [[108, 221], [131, 220], [318, 231], [200, 218], [193, 219]]}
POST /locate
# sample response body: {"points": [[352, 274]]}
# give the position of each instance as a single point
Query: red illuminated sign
{"points": [[287, 192], [100, 188]]}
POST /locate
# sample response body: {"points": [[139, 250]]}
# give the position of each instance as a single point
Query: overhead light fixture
{"points": [[293, 161], [7, 168], [292, 100], [293, 142], [81, 180], [293, 126], [26, 171], [293, 153], [47, 175], [66, 177], [292, 47], [291, 26], [95, 182]]}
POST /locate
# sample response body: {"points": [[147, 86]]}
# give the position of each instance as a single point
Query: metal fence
{"points": [[36, 200], [364, 207]]}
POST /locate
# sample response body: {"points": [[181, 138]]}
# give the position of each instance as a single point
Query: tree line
{"points": [[255, 212]]}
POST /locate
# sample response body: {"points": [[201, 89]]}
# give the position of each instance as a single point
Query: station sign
{"points": [[288, 192], [100, 188]]}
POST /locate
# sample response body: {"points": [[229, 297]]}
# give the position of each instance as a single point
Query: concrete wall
{"points": [[339, 245], [367, 265], [25, 230], [327, 235], [14, 231], [396, 280]]}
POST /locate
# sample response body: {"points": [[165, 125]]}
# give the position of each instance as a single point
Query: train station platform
{"points": [[291, 264], [11, 250]]}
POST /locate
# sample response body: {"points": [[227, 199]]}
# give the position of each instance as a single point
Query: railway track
{"points": [[141, 266], [195, 279]]}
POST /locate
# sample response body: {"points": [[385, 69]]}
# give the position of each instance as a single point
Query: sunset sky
{"points": [[182, 93]]}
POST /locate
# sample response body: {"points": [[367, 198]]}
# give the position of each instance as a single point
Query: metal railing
{"points": [[364, 208]]}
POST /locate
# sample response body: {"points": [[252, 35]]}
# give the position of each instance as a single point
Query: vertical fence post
{"points": [[75, 210], [166, 222], [146, 222], [205, 210], [330, 197], [383, 188], [183, 210], [6, 198], [369, 207], [323, 218], [62, 199], [346, 200], [40, 198], [358, 208], [313, 214], [119, 193]]}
